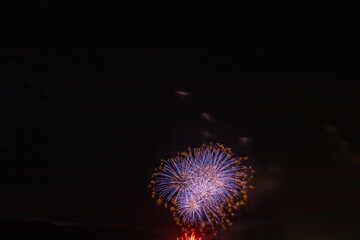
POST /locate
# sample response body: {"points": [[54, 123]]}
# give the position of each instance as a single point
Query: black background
{"points": [[89, 107]]}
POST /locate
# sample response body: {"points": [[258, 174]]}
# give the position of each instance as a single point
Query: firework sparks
{"points": [[202, 187], [192, 237]]}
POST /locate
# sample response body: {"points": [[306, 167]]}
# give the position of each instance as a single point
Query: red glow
{"points": [[192, 237]]}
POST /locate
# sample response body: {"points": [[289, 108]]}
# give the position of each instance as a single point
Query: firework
{"points": [[202, 187], [192, 237]]}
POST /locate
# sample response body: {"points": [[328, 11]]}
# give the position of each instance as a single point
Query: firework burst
{"points": [[202, 187]]}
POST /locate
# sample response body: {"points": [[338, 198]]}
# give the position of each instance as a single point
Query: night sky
{"points": [[93, 96]]}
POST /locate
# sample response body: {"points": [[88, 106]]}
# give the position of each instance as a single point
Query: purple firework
{"points": [[202, 186]]}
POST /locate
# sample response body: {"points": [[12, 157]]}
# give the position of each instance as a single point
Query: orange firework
{"points": [[191, 237]]}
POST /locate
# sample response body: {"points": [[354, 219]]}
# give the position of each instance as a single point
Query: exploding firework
{"points": [[192, 237], [202, 187]]}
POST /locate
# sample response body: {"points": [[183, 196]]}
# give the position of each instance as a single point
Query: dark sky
{"points": [[88, 109]]}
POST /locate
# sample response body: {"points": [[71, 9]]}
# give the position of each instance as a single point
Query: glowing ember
{"points": [[192, 237]]}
